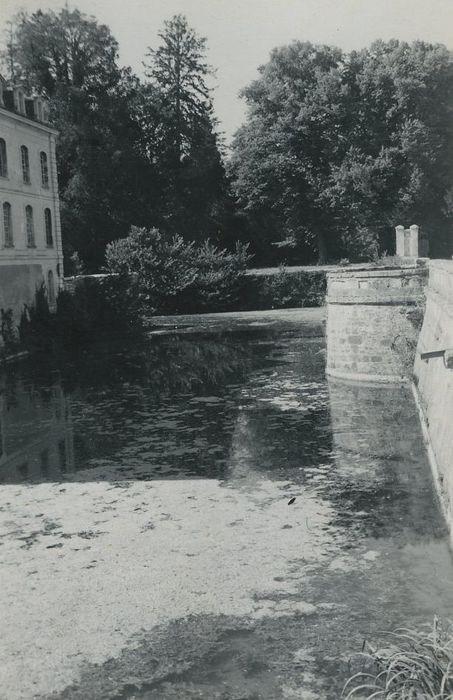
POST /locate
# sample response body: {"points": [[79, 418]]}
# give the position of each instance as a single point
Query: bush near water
{"points": [[171, 276], [168, 275], [284, 289], [94, 311]]}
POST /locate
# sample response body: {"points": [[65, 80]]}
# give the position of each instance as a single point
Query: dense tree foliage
{"points": [[339, 148], [336, 149], [128, 152]]}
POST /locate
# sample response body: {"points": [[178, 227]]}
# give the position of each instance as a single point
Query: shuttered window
{"points": [[25, 164], [30, 227], [7, 225], [48, 227]]}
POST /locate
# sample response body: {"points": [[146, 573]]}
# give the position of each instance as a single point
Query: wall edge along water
{"points": [[369, 329], [433, 382], [367, 311]]}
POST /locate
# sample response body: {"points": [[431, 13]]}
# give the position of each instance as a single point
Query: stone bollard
{"points": [[409, 242]]}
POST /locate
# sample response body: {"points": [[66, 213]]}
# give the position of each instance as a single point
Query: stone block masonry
{"points": [[371, 338], [433, 386], [369, 328]]}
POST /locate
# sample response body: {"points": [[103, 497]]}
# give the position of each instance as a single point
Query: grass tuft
{"points": [[416, 665]]}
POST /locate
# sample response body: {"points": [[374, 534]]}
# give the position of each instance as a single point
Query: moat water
{"points": [[148, 546]]}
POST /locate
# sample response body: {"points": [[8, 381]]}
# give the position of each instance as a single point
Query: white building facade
{"points": [[30, 232]]}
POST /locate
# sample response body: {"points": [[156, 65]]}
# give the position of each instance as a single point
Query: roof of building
{"points": [[33, 107]]}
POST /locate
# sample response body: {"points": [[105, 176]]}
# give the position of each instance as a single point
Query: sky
{"points": [[241, 33]]}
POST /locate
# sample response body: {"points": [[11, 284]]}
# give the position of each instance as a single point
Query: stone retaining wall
{"points": [[434, 381], [370, 331]]}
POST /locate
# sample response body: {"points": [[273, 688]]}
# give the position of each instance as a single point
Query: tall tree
{"points": [[182, 132], [338, 148], [398, 166], [281, 156], [179, 69], [105, 182], [65, 49]]}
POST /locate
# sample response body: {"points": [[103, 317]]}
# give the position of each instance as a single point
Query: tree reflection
{"points": [[162, 409]]}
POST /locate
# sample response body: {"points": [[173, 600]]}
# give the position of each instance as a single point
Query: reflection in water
{"points": [[380, 461], [36, 437], [144, 413], [169, 409], [251, 416]]}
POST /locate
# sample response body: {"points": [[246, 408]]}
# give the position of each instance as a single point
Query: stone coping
{"points": [[440, 264], [362, 379], [350, 267], [416, 266], [375, 300], [407, 263]]}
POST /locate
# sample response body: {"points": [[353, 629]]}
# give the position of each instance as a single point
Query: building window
{"points": [[8, 225], [25, 164], [30, 226], [44, 170], [50, 288], [3, 160], [48, 227]]}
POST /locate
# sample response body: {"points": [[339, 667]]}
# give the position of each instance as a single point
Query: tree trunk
{"points": [[322, 248]]}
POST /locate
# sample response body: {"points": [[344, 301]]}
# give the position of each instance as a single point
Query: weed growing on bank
{"points": [[8, 334], [416, 665], [97, 311], [406, 338]]}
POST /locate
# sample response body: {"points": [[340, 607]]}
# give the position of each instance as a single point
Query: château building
{"points": [[30, 234]]}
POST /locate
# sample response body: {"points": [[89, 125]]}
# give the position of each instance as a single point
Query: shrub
{"points": [[416, 664], [361, 244], [8, 333], [218, 283], [96, 310], [290, 289], [285, 289], [166, 274], [37, 324]]}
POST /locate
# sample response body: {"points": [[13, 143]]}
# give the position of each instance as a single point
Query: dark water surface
{"points": [[243, 404]]}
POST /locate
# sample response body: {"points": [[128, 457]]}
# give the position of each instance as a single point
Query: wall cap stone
{"points": [[416, 267], [361, 378], [445, 265]]}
